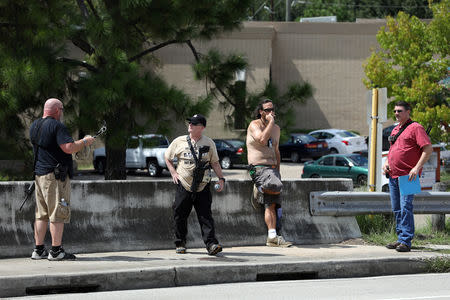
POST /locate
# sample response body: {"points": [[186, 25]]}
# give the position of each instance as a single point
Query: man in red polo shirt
{"points": [[409, 151]]}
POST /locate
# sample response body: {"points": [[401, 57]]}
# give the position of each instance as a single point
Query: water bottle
{"points": [[63, 202], [217, 186]]}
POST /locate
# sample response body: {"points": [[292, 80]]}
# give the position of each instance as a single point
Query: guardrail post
{"points": [[438, 220]]}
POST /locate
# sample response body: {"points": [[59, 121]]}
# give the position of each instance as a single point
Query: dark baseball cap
{"points": [[197, 119]]}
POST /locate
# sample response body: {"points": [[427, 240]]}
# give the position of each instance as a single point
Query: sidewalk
{"points": [[164, 268]]}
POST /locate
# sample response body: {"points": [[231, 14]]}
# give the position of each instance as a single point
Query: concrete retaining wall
{"points": [[137, 215]]}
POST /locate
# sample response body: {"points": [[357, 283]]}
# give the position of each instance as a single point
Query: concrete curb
{"points": [[158, 277]]}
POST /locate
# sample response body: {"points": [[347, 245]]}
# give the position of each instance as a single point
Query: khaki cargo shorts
{"points": [[49, 193]]}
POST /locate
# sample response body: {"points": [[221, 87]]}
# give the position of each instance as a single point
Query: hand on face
{"points": [[268, 112], [270, 116]]}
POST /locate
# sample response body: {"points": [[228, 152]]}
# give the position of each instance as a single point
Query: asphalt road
{"points": [[401, 287], [288, 171]]}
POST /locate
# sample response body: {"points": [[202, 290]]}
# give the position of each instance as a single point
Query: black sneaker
{"points": [[39, 254], [61, 255], [214, 249]]}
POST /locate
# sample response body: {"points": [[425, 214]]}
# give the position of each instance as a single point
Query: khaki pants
{"points": [[49, 193]]}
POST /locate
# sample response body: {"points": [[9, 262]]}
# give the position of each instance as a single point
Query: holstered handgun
{"points": [[60, 172]]}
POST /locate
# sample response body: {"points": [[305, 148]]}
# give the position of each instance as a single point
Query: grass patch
{"points": [[439, 264], [445, 176], [85, 166], [380, 230], [426, 235], [377, 229]]}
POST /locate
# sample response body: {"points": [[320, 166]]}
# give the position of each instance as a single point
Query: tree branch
{"points": [[144, 38], [154, 48], [83, 45], [197, 58], [194, 51], [223, 94], [83, 9], [77, 63], [94, 11]]}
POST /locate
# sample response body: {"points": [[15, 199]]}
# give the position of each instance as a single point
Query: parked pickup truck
{"points": [[143, 152]]}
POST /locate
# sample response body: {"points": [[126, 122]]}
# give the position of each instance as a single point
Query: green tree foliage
{"points": [[219, 71], [384, 8], [349, 10], [344, 10], [103, 79], [412, 59]]}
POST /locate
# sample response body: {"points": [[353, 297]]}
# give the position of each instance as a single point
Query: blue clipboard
{"points": [[409, 187]]}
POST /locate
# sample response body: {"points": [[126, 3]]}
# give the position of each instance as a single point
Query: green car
{"points": [[352, 166]]}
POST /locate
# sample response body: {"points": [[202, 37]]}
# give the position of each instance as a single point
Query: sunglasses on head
{"points": [[398, 110], [268, 109]]}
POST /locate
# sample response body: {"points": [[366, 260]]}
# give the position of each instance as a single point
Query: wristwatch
{"points": [[221, 178]]}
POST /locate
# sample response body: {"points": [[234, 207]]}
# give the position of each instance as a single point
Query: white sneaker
{"points": [[60, 255], [39, 254], [278, 241]]}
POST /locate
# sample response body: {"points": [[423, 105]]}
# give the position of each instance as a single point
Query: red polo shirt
{"points": [[406, 151]]}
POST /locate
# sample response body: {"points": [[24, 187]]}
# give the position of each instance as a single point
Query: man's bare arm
{"points": [[76, 146], [275, 145], [262, 136]]}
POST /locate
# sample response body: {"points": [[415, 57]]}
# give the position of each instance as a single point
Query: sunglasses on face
{"points": [[267, 110], [398, 110]]}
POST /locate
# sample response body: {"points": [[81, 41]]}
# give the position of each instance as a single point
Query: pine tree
{"points": [[107, 82]]}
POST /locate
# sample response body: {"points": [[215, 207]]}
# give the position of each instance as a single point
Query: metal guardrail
{"points": [[363, 203]]}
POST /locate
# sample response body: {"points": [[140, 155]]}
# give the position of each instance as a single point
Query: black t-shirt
{"points": [[53, 134]]}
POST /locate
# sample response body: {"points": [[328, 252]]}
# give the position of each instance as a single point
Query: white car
{"points": [[341, 141]]}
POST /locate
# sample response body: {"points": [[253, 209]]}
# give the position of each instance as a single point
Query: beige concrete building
{"points": [[330, 56]]}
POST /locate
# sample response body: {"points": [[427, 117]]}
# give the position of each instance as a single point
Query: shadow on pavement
{"points": [[117, 258]]}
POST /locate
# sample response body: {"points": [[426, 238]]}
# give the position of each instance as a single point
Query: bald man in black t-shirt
{"points": [[53, 146]]}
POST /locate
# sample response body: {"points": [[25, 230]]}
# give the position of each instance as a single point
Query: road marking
{"points": [[419, 298]]}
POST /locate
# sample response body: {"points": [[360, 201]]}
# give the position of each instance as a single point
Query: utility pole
{"points": [[271, 9], [288, 10], [377, 115]]}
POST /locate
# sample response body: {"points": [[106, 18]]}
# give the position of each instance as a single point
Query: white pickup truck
{"points": [[143, 152]]}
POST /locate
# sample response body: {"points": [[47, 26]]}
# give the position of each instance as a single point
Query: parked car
{"points": [[231, 152], [143, 152], [341, 141], [352, 166], [301, 145]]}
